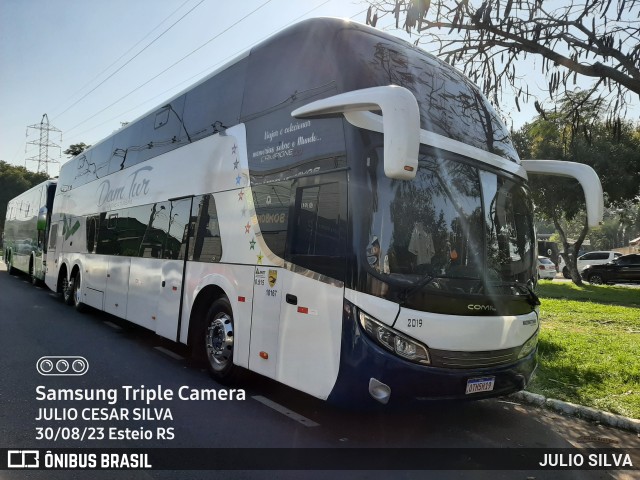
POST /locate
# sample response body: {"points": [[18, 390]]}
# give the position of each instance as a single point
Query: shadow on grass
{"points": [[610, 295], [558, 377]]}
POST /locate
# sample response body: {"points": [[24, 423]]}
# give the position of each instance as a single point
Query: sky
{"points": [[90, 64]]}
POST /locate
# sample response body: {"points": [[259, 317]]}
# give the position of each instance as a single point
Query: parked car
{"points": [[546, 268], [624, 269], [590, 258]]}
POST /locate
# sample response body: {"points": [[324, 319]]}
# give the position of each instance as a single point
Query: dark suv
{"points": [[624, 269]]}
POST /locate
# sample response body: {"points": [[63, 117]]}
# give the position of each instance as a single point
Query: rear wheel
{"points": [[67, 290], [32, 274], [10, 269], [77, 293], [216, 338], [566, 273]]}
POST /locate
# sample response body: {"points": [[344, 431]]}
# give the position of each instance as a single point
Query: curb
{"points": [[566, 408]]}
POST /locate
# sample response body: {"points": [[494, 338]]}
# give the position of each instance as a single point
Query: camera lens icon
{"points": [[58, 366]]}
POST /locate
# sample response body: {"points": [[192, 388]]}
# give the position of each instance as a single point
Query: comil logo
{"points": [[23, 459], [68, 366], [481, 308]]}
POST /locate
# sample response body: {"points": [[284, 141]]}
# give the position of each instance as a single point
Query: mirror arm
{"points": [[400, 122], [585, 175]]}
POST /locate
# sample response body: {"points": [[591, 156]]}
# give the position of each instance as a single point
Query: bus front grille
{"points": [[490, 358]]}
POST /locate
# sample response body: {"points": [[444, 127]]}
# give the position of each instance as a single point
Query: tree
{"points": [[596, 39], [616, 159], [13, 181], [76, 149]]}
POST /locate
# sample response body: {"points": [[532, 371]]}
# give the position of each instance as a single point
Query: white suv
{"points": [[590, 258]]}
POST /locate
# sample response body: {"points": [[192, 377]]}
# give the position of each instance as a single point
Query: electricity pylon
{"points": [[43, 158]]}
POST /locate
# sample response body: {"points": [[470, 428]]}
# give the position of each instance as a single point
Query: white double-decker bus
{"points": [[336, 210]]}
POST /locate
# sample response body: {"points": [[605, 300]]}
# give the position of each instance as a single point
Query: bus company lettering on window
{"points": [[137, 186]]}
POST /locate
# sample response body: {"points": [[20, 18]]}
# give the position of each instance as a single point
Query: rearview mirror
{"points": [[41, 223], [587, 177], [400, 122]]}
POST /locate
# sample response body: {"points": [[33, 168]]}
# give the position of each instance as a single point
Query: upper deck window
{"points": [[450, 104]]}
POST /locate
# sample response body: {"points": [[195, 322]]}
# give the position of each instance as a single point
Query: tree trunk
{"points": [[572, 250]]}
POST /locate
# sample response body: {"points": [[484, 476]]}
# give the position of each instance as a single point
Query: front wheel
{"points": [[566, 273], [596, 279], [32, 274], [218, 339]]}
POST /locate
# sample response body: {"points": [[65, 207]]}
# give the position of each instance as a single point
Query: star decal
{"points": [[244, 211], [253, 244], [260, 257], [234, 149], [240, 195], [238, 178], [235, 164], [247, 227]]}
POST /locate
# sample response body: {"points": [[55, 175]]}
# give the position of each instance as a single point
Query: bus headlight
{"points": [[394, 341], [529, 346]]}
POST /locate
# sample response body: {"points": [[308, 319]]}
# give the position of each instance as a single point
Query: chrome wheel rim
{"points": [[219, 341], [76, 290]]}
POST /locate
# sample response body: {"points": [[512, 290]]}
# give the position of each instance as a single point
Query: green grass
{"points": [[589, 348]]}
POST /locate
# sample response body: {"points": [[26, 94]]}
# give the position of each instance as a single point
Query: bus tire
{"points": [[10, 269], [32, 275], [216, 339], [77, 293], [67, 290]]}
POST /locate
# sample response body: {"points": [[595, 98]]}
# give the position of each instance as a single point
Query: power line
{"points": [[199, 74], [206, 70], [130, 60], [123, 55], [171, 66]]}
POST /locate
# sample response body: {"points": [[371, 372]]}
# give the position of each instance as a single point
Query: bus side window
{"points": [[318, 230], [271, 202], [53, 236], [177, 231], [204, 242], [92, 232], [149, 227], [108, 243]]}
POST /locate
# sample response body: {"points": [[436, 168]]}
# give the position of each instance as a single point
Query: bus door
{"points": [[174, 255], [265, 321]]}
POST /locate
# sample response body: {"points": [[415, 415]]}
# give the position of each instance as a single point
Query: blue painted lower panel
{"points": [[362, 359]]}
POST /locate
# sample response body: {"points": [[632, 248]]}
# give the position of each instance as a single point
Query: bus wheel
{"points": [[77, 293], [32, 275], [67, 290], [218, 341], [10, 269]]}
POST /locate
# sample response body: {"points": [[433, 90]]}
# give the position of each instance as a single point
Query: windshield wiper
{"points": [[423, 282]]}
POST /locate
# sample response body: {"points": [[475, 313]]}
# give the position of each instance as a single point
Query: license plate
{"points": [[476, 385]]}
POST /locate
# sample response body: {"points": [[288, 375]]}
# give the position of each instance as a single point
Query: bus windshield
{"points": [[455, 226]]}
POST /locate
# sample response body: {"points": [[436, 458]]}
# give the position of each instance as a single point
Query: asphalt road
{"points": [[35, 323]]}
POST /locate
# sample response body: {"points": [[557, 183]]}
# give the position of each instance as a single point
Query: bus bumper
{"points": [[362, 360]]}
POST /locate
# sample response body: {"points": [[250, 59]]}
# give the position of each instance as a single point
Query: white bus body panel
{"points": [[310, 334], [144, 287], [117, 292], [464, 333]]}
